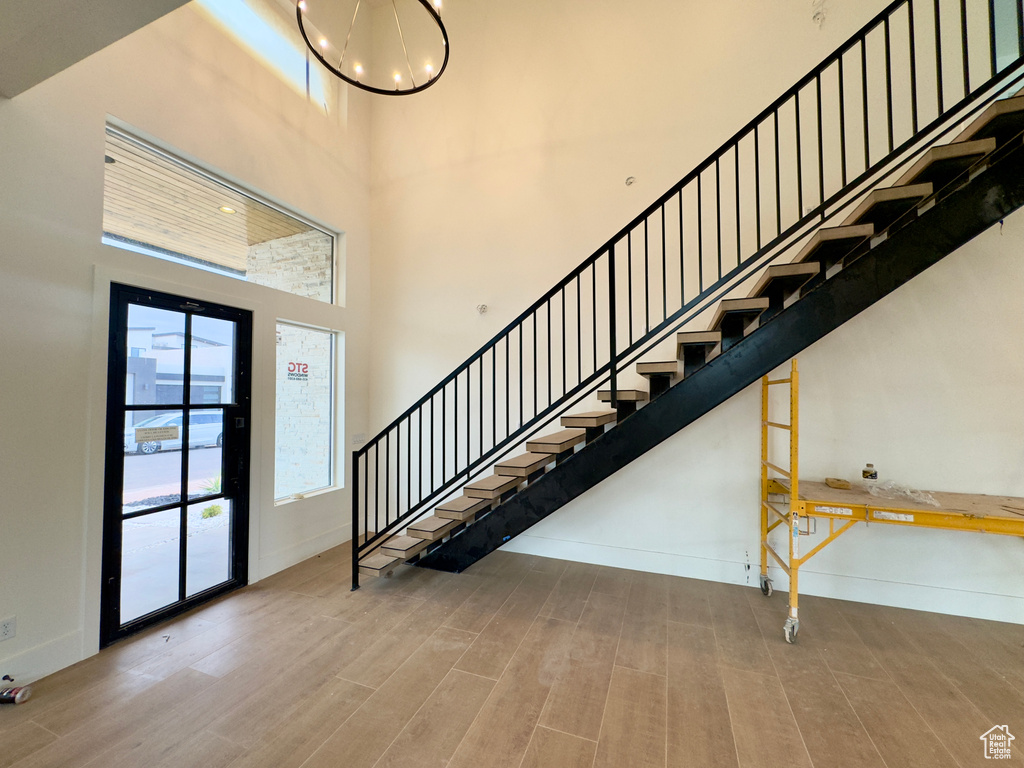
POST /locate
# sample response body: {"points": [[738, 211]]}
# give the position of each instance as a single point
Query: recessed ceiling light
{"points": [[225, 209]]}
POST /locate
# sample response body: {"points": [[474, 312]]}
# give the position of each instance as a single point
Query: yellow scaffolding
{"points": [[1003, 515]]}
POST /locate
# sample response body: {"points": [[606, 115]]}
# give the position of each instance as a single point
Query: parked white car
{"points": [[205, 428]]}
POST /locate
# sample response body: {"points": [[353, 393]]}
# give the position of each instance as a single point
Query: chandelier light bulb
{"points": [[430, 70], [398, 78], [359, 69], [323, 42], [302, 5]]}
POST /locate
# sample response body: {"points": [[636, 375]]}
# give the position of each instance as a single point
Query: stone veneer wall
{"points": [[300, 264]]}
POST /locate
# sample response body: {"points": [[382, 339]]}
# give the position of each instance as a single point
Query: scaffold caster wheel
{"points": [[766, 586], [790, 629]]}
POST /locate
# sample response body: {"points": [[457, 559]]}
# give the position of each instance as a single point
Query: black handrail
{"points": [[789, 149]]}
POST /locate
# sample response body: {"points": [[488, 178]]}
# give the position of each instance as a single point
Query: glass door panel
{"points": [[149, 564], [175, 518]]}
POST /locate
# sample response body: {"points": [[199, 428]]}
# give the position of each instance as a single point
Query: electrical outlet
{"points": [[8, 628]]}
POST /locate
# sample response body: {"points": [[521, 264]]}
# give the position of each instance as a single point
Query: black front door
{"points": [[176, 495]]}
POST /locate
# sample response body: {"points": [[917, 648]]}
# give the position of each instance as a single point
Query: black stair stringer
{"points": [[934, 234]]}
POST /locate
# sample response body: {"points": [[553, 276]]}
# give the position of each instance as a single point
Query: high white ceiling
{"points": [[39, 38]]}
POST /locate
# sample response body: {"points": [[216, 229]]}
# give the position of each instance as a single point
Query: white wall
{"points": [[925, 384], [512, 173], [186, 85]]}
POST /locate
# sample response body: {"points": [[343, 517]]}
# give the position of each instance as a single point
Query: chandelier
{"points": [[390, 47]]}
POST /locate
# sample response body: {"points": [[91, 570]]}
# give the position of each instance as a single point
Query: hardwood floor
{"points": [[526, 662]]}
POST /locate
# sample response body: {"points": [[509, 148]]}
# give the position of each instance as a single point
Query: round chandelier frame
{"points": [[432, 78]]}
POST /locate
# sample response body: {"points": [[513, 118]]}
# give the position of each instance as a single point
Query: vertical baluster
{"points": [[1020, 27], [842, 119], [778, 178], [799, 160], [864, 95], [433, 458], [593, 309], [664, 269], [682, 261], [821, 146], [913, 67], [718, 215], [564, 387], [736, 157], [992, 36], [579, 330], [535, 384], [444, 436], [480, 405], [647, 282], [757, 181], [700, 235], [521, 406], [938, 59], [508, 394], [888, 83], [494, 394], [548, 313], [387, 477], [613, 354], [963, 38], [419, 496], [455, 428], [629, 283], [355, 519]]}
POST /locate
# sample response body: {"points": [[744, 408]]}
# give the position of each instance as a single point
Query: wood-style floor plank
{"points": [[503, 729], [740, 643], [434, 733], [553, 748], [306, 726], [699, 724], [634, 728], [364, 737], [570, 594], [577, 700], [833, 735], [897, 730], [498, 641], [251, 680], [766, 733], [644, 626]]}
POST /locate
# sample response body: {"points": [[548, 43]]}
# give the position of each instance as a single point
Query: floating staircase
{"points": [[878, 239]]}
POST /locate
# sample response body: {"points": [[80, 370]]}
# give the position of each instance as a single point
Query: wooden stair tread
{"points": [[664, 368], [490, 487], [791, 276], [626, 395], [461, 508], [1000, 117], [557, 442], [960, 155], [886, 198], [748, 307], [461, 504], [828, 242], [403, 546], [378, 564], [589, 419], [431, 528], [709, 338], [523, 465]]}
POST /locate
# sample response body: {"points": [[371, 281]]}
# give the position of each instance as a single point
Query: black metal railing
{"points": [[900, 84]]}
